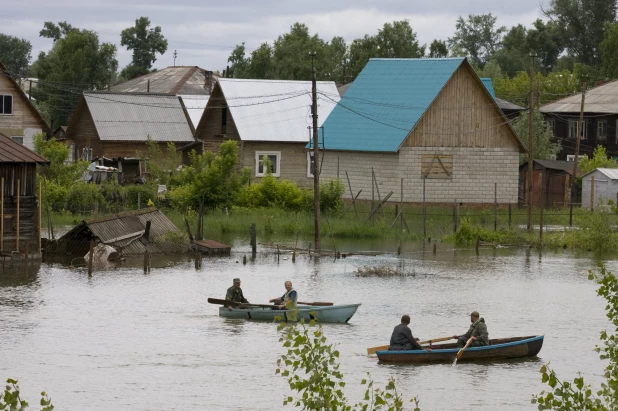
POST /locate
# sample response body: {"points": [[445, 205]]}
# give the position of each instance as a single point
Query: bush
{"points": [[55, 196], [147, 191], [82, 197], [330, 196], [271, 192]]}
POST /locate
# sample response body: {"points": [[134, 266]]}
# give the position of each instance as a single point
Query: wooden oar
{"points": [[373, 350], [318, 304], [460, 352], [237, 304]]}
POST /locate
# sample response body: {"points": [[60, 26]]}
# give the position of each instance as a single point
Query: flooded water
{"points": [[124, 340]]}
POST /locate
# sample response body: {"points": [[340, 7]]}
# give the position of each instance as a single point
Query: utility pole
{"points": [[580, 131], [530, 140], [175, 54], [316, 171]]}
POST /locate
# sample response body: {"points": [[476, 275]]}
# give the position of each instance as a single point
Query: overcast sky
{"points": [[205, 32]]}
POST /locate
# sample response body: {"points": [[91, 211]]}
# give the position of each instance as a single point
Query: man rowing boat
{"points": [[287, 300], [477, 332], [234, 294], [402, 338]]}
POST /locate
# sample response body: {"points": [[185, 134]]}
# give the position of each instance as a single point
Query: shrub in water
{"points": [[82, 197]]}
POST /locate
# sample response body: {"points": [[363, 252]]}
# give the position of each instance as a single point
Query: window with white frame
{"points": [[310, 164], [551, 123], [6, 104], [18, 139], [602, 130], [570, 157], [573, 129], [274, 158], [87, 154]]}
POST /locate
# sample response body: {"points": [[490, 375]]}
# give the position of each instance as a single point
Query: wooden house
{"points": [[600, 121], [113, 128], [552, 182], [19, 202], [269, 119], [428, 126], [19, 118]]}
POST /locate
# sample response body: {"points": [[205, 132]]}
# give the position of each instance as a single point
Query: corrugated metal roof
{"points": [[13, 152], [134, 117], [611, 173], [195, 106], [489, 86], [170, 80], [386, 101], [507, 105], [130, 225], [601, 99], [276, 110], [563, 165]]}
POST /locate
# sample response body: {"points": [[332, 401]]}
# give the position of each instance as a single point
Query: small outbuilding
{"points": [[552, 181], [19, 203], [598, 187]]}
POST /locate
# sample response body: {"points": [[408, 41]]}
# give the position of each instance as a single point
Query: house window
{"points": [[87, 154], [6, 105], [310, 164], [602, 130], [18, 139], [570, 157], [551, 123], [224, 119], [573, 129], [275, 162]]}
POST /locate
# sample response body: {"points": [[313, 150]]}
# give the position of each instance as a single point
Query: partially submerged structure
{"points": [[130, 233], [552, 183], [19, 203]]}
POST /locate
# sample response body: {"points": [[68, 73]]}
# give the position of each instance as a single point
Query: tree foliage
{"points": [[577, 395], [582, 25], [15, 54], [599, 160], [478, 37], [146, 43], [609, 51], [56, 31], [311, 368], [10, 400], [544, 149], [161, 164], [438, 49], [59, 171], [76, 62]]}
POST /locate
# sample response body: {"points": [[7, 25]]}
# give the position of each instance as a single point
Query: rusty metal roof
{"points": [[170, 80], [13, 152], [123, 231], [134, 117]]}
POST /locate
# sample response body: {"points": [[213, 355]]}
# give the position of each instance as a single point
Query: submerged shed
{"points": [[129, 233]]}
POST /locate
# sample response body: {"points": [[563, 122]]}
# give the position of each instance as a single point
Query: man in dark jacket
{"points": [[477, 332], [402, 338], [234, 293]]}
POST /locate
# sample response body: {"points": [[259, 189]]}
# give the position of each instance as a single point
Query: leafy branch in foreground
{"points": [[577, 395], [312, 370], [11, 401]]}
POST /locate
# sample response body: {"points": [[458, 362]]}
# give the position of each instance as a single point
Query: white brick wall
{"points": [[475, 171]]}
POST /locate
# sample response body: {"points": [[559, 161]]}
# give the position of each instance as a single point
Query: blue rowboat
{"points": [[498, 349], [329, 314]]}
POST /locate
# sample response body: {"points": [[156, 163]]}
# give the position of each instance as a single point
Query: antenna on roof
{"points": [[175, 54]]}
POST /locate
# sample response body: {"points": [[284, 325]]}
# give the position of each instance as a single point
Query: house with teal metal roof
{"points": [[421, 123]]}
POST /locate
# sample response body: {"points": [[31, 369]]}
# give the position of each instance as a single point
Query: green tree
{"points": [[76, 62], [146, 43], [514, 54], [544, 149], [438, 49], [311, 368], [582, 25], [58, 171], [10, 399], [291, 54], [599, 160], [15, 54], [239, 63], [546, 41], [609, 51], [56, 31], [361, 50], [161, 164], [261, 65], [577, 395], [478, 37]]}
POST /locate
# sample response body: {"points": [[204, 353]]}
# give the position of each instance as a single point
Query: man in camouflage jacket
{"points": [[234, 293], [477, 331]]}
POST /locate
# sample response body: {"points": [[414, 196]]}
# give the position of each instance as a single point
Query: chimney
{"points": [[208, 80], [227, 72]]}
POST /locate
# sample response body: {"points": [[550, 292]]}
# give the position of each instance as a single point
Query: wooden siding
{"points": [[463, 115], [586, 146], [28, 207], [293, 162], [23, 113], [436, 166], [209, 127], [83, 132]]}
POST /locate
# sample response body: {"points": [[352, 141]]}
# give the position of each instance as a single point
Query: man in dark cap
{"points": [[477, 332], [402, 338], [234, 293]]}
